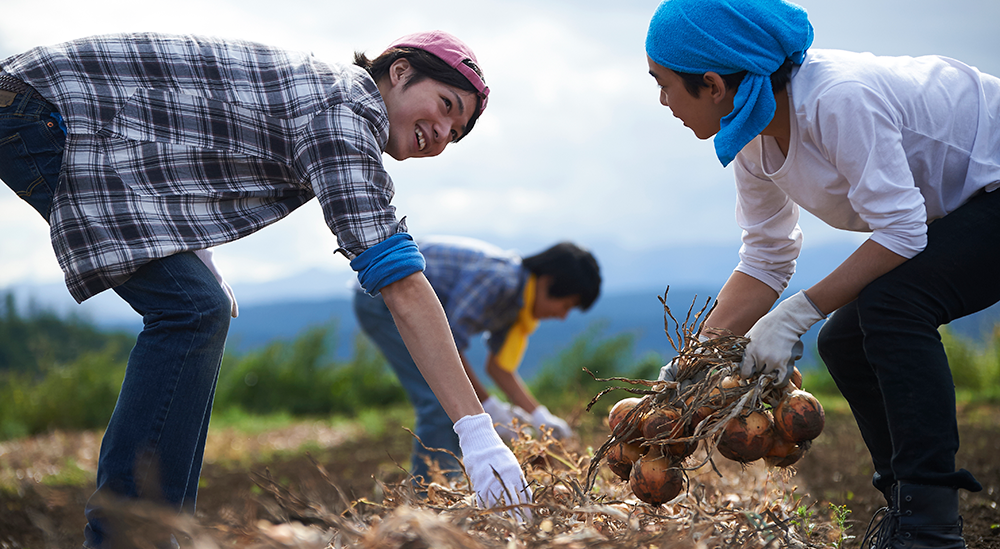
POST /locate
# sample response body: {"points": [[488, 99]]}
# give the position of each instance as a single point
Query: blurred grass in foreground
{"points": [[285, 381]]}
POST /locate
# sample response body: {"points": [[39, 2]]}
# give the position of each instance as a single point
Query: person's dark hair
{"points": [[574, 271], [693, 82], [425, 65]]}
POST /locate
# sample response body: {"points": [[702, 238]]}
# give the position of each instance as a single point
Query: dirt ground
{"points": [[54, 477], [838, 469]]}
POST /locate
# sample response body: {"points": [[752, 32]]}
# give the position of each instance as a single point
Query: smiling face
{"points": [[703, 113], [425, 116]]}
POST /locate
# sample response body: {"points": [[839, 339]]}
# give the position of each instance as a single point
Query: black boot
{"points": [[881, 528], [921, 517], [928, 517]]}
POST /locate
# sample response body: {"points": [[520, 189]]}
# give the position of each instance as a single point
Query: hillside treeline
{"points": [[38, 339], [65, 373]]}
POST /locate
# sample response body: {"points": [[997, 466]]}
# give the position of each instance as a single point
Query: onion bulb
{"points": [[666, 423], [785, 452], [621, 456], [655, 480], [747, 437], [799, 416], [618, 413]]}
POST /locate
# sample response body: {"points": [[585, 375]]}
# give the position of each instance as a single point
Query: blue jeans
{"points": [[31, 150], [885, 353], [155, 440], [434, 427], [154, 444]]}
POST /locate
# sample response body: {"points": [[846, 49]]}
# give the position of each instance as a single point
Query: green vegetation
{"points": [[77, 395], [839, 514], [43, 339], [295, 378], [564, 384], [281, 381], [248, 423], [819, 382], [69, 474], [66, 374], [975, 369]]}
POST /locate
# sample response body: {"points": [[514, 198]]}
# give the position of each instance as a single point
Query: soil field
{"points": [[838, 469], [47, 479]]}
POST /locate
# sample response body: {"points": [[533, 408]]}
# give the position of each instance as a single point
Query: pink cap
{"points": [[452, 51]]}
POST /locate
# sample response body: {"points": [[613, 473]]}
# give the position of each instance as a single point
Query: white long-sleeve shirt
{"points": [[878, 144]]}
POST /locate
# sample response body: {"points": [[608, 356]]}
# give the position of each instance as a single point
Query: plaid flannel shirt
{"points": [[481, 286], [179, 143]]}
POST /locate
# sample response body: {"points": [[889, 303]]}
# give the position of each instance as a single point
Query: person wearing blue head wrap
{"points": [[885, 145], [727, 37]]}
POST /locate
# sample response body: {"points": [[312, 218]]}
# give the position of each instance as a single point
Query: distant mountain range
{"points": [[638, 314], [281, 310]]}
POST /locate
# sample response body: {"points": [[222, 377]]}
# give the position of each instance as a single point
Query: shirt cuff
{"points": [[388, 261]]}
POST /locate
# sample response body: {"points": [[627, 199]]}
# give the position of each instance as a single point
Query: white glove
{"points": [[502, 415], [669, 371], [521, 415], [542, 417], [775, 342], [491, 466], [206, 257]]}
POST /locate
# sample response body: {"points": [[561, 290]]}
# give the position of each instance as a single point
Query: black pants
{"points": [[885, 353]]}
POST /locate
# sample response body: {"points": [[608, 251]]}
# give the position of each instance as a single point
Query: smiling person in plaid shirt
{"points": [[141, 150], [485, 289]]}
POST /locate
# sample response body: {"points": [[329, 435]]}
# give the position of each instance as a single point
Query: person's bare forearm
{"points": [[477, 385], [741, 302], [511, 384], [870, 261], [744, 299], [424, 328]]}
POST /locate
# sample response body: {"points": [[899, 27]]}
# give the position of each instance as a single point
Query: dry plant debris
{"points": [[731, 505], [579, 504]]}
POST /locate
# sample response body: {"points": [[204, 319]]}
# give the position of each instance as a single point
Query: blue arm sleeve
{"points": [[392, 259]]}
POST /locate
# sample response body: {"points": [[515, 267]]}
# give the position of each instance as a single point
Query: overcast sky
{"points": [[574, 144]]}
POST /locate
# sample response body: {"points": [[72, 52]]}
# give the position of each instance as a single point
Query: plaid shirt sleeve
{"points": [[342, 158], [179, 142]]}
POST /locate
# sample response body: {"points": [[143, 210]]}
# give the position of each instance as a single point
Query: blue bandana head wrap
{"points": [[726, 37]]}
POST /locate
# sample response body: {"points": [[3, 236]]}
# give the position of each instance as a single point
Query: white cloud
{"points": [[574, 144], [25, 252]]}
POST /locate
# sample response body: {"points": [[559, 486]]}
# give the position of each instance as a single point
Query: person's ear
{"points": [[399, 71], [716, 86], [542, 286], [546, 281]]}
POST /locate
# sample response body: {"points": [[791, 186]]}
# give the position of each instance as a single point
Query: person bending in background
{"points": [[141, 149], [907, 149], [485, 289]]}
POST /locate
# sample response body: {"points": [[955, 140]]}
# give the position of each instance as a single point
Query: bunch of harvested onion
{"points": [[653, 436]]}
